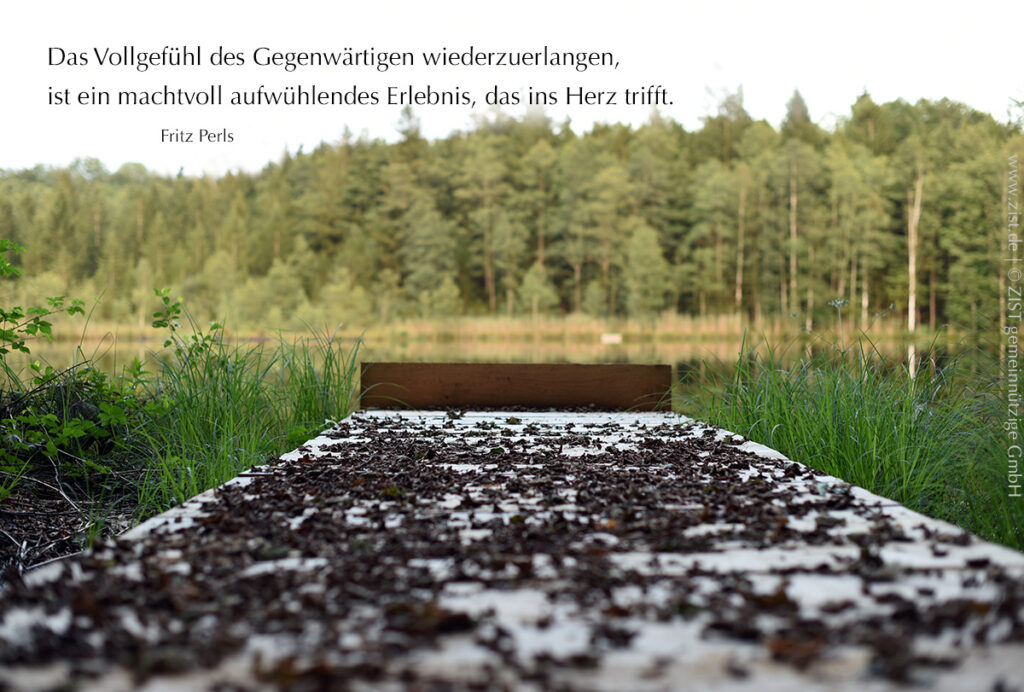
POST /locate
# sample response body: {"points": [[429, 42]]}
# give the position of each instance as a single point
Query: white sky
{"points": [[698, 50]]}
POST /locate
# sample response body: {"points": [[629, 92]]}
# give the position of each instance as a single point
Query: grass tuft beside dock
{"points": [[931, 440]]}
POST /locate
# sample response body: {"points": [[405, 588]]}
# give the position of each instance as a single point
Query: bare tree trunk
{"points": [[277, 226], [492, 300], [864, 302], [931, 299], [762, 214], [138, 222], [853, 284], [792, 238], [912, 229], [577, 288], [810, 291], [719, 269], [540, 240], [841, 289], [96, 234], [541, 223], [740, 232], [606, 273]]}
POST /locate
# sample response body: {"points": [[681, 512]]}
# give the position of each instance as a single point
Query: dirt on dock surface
{"points": [[530, 551]]}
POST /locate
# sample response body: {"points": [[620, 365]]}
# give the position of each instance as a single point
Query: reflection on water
{"points": [[106, 354], [526, 351], [113, 356]]}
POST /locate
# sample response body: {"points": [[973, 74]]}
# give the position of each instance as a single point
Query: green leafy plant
{"points": [[57, 420]]}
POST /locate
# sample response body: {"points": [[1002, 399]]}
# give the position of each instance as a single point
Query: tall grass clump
{"points": [[226, 407], [929, 440], [317, 379]]}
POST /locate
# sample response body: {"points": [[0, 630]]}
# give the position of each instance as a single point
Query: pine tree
{"points": [[646, 271], [484, 189]]}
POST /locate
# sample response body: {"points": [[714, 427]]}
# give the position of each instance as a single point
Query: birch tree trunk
{"points": [[792, 239], [912, 231]]}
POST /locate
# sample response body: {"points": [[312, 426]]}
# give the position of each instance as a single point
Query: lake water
{"points": [[110, 355], [689, 359]]}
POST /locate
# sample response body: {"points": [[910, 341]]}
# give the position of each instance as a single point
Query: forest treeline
{"points": [[525, 216]]}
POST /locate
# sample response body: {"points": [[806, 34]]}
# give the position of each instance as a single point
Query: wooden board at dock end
{"points": [[615, 387]]}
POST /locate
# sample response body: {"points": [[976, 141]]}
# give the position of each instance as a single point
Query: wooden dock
{"points": [[526, 550]]}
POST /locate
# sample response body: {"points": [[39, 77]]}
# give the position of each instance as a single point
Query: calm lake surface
{"points": [[690, 360], [111, 356]]}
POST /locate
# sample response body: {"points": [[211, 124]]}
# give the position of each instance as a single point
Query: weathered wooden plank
{"points": [[536, 385]]}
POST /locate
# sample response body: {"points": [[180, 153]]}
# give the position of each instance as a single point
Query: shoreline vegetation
{"points": [[96, 453], [669, 327]]}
